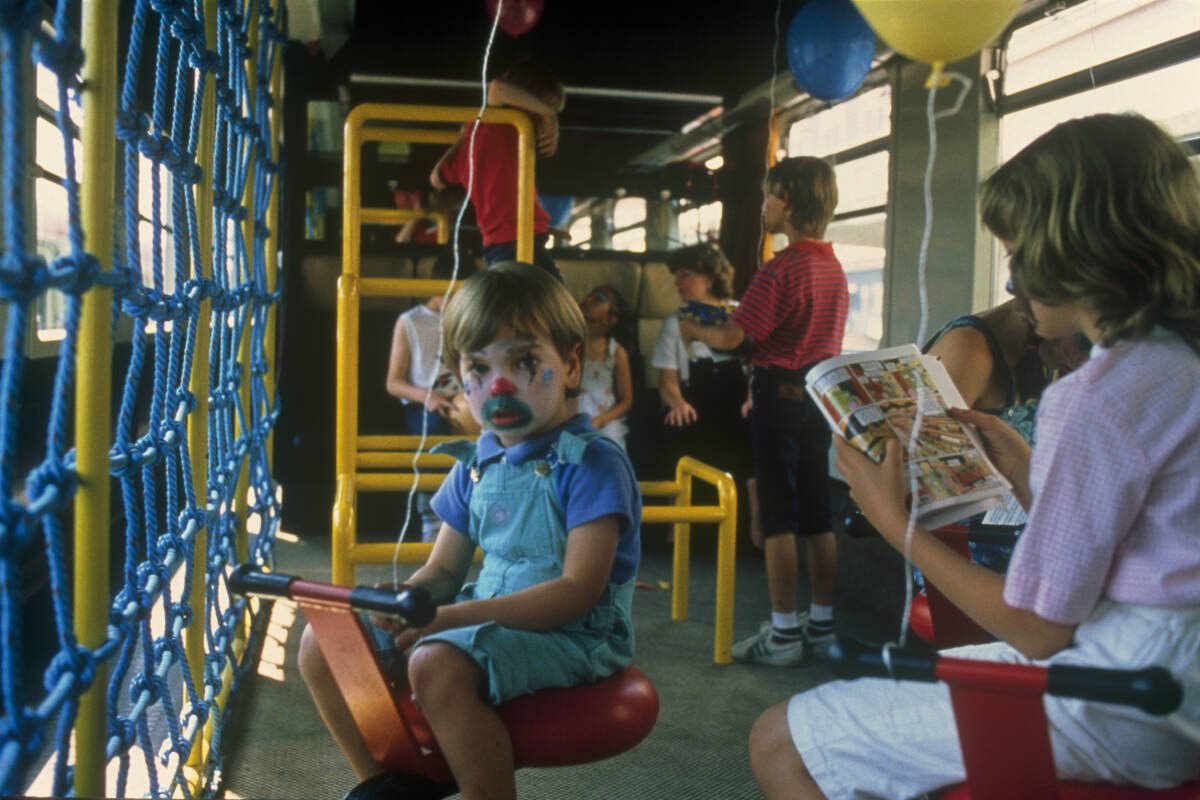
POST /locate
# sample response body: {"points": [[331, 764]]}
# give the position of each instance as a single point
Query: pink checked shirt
{"points": [[1116, 485]]}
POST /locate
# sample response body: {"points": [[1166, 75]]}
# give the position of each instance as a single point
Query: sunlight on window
{"points": [[1092, 33], [50, 152], [581, 232], [859, 245], [628, 211], [50, 211], [633, 240], [862, 183], [700, 224], [860, 119]]}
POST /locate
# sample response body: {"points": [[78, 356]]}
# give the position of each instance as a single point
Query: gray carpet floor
{"points": [[277, 747]]}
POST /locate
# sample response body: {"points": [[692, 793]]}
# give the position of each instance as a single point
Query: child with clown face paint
{"points": [[554, 506]]}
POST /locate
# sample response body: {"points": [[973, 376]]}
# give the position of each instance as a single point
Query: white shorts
{"points": [[878, 738]]}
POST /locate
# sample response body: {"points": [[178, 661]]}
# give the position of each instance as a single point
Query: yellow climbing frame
{"points": [[410, 468]]}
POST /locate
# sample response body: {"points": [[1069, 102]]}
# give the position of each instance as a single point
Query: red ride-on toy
{"points": [[1002, 722], [549, 728]]}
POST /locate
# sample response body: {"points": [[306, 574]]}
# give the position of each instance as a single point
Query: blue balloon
{"points": [[558, 207], [829, 48]]}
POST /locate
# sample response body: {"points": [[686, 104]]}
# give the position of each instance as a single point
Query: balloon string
{"points": [[412, 492], [931, 118]]}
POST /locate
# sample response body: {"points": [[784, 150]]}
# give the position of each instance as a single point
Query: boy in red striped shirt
{"points": [[792, 316]]}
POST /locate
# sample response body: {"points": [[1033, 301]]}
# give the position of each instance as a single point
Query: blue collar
{"points": [[489, 448]]}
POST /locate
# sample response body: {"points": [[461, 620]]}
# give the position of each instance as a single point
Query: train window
{"points": [[633, 240], [862, 183], [700, 224], [856, 121], [50, 198], [581, 232], [629, 224], [325, 123], [1092, 33]]}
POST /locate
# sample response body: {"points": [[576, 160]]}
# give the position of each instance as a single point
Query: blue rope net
{"points": [[160, 280]]}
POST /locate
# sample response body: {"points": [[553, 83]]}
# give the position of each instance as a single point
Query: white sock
{"points": [[819, 613], [782, 620]]}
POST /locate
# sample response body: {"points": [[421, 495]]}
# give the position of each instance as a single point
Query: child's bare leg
{"points": [[333, 708], [822, 566], [782, 562], [778, 768], [448, 685], [756, 536]]}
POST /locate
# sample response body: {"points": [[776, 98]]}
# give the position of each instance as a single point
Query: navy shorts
{"points": [[790, 441], [507, 251]]}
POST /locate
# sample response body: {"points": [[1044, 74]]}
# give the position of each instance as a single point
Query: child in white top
{"points": [[417, 376], [1101, 216], [607, 387]]}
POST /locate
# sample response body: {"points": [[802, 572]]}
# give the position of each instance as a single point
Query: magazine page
{"points": [[871, 397]]}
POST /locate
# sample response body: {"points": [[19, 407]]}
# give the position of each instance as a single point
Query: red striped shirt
{"points": [[795, 307]]}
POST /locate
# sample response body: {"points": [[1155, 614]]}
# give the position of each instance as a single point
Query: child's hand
{"points": [[547, 134], [687, 330], [444, 621], [879, 489], [1004, 446], [682, 414], [439, 403], [389, 624], [747, 407]]}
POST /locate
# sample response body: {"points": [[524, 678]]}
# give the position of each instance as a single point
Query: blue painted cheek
{"points": [[547, 376]]}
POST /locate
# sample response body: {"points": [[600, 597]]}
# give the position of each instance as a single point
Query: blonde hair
{"points": [[809, 186], [514, 294], [1104, 210]]}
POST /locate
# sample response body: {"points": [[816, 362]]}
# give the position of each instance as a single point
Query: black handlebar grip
{"points": [[412, 605], [852, 659], [248, 579], [1153, 689]]}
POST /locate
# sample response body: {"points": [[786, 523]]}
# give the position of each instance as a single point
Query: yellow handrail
{"points": [[94, 387], [682, 514]]}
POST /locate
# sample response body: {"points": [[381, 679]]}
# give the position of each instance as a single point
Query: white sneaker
{"points": [[820, 644], [761, 648]]}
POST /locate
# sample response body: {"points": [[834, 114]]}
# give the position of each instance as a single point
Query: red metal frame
{"points": [[1006, 746]]}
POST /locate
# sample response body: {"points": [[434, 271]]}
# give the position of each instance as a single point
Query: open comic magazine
{"points": [[871, 397]]}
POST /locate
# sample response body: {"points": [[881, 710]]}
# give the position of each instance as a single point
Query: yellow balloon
{"points": [[937, 31]]}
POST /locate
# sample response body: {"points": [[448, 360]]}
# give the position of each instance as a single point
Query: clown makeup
{"points": [[516, 385]]}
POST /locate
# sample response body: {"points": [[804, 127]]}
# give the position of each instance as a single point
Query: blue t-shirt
{"points": [[602, 484]]}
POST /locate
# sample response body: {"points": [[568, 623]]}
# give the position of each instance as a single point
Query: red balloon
{"points": [[516, 16]]}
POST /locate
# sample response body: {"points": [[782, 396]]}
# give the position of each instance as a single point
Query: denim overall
{"points": [[518, 521]]}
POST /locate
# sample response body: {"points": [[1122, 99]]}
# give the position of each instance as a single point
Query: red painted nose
{"points": [[502, 386]]}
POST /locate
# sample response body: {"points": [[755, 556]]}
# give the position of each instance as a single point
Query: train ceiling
{"points": [[694, 59]]}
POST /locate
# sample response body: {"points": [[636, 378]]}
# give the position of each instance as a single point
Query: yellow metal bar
{"points": [[682, 530], [402, 460], [376, 133], [390, 216], [726, 554], [402, 287], [273, 205], [193, 634], [398, 481], [659, 488], [525, 159], [343, 544], [93, 404], [375, 442], [406, 553]]}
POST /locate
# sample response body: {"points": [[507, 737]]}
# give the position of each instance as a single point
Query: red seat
{"points": [[552, 727], [933, 617], [1001, 719]]}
